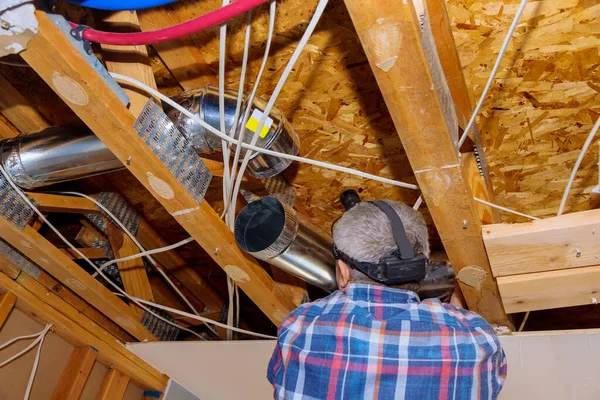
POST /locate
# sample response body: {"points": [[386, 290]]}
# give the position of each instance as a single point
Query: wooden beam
{"points": [[63, 204], [391, 37], [568, 241], [7, 302], [53, 57], [149, 238], [89, 252], [18, 110], [76, 328], [75, 375], [441, 29], [114, 386], [133, 272], [487, 214], [182, 57], [44, 283], [128, 60], [551, 289], [56, 263], [7, 129]]}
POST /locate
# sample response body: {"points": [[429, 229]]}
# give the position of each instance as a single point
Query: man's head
{"points": [[364, 233]]}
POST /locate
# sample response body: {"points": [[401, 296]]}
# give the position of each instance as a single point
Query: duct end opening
{"points": [[260, 224]]}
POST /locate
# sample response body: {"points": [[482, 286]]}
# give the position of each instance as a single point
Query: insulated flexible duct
{"points": [[56, 154], [273, 232], [278, 134]]}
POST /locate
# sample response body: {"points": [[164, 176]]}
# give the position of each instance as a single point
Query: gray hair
{"points": [[364, 233]]}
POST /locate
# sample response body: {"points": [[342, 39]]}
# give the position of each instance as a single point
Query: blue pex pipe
{"points": [[121, 5]]}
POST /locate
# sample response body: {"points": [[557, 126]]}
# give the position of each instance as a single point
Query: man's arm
{"points": [[500, 369]]}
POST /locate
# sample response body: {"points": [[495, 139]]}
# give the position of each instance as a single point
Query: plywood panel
{"points": [[567, 241], [551, 289], [543, 102]]}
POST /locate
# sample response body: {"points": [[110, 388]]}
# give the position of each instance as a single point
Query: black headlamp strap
{"points": [[404, 245]]}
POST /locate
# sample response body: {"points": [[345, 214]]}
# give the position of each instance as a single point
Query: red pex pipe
{"points": [[205, 21]]}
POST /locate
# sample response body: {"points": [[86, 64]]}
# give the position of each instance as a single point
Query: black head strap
{"points": [[404, 245]]}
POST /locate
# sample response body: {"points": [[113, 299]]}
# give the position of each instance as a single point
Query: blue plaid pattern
{"points": [[374, 342]]}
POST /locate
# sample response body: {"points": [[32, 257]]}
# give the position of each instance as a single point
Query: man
{"points": [[372, 341]]}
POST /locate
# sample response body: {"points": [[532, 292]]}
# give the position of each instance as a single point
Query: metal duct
{"points": [[204, 102], [56, 154], [272, 231]]}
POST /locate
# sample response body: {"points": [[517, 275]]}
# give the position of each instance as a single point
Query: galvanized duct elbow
{"points": [[204, 102], [54, 155], [273, 232]]}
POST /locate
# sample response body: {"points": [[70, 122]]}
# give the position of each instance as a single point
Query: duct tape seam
{"points": [[19, 260], [173, 149]]}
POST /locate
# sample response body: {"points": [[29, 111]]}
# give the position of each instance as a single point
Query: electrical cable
{"points": [[137, 243], [490, 80], [271, 103], [205, 320], [15, 339], [36, 362], [15, 63], [197, 119], [271, 28], [584, 149], [26, 199], [488, 84], [144, 253], [524, 321], [26, 349], [198, 24], [508, 210]]}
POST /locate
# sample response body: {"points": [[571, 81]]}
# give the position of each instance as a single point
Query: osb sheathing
{"points": [[543, 102], [538, 113]]}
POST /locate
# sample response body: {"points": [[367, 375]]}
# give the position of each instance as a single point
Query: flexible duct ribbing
{"points": [[273, 232], [56, 154], [204, 102]]}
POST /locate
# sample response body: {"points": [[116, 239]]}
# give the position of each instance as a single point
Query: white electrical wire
{"points": [[271, 103], [15, 64], [224, 143], [216, 132], [263, 64], [36, 362], [38, 337], [584, 149], [137, 243], [490, 80], [83, 256], [145, 253], [15, 339], [507, 39], [205, 320], [508, 210]]}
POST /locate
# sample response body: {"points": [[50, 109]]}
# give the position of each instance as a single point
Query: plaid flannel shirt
{"points": [[374, 342]]}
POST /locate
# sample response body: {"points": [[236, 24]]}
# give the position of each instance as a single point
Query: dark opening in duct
{"points": [[54, 155], [204, 102], [273, 232]]}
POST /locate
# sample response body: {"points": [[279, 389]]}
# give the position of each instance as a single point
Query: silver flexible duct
{"points": [[273, 232], [204, 102], [56, 154]]}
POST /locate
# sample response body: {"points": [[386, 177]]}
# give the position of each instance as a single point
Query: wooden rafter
{"points": [[56, 61], [18, 110], [75, 327], [55, 262], [391, 37]]}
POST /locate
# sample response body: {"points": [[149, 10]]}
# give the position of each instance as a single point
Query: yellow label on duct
{"points": [[252, 123]]}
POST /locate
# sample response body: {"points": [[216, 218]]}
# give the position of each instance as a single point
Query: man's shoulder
{"points": [[449, 315], [331, 304]]}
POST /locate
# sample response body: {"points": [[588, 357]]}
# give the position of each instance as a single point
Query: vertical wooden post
{"points": [[7, 302], [391, 37], [114, 386], [75, 375]]}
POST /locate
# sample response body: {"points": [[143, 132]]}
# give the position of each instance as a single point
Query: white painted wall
{"points": [[546, 365]]}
